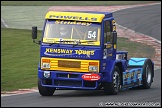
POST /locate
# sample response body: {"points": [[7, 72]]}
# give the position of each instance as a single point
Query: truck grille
{"points": [[69, 64]]}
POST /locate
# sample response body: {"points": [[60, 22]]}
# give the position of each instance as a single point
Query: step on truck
{"points": [[78, 50]]}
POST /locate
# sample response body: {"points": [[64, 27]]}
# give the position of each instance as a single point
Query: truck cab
{"points": [[78, 50]]}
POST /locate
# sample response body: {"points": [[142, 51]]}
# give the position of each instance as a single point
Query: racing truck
{"points": [[78, 51]]}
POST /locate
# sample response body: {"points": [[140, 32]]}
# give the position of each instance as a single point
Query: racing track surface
{"points": [[146, 20], [91, 98]]}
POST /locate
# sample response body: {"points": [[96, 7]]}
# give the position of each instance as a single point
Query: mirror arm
{"points": [[37, 42]]}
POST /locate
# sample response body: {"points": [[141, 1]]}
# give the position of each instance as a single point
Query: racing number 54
{"points": [[92, 34]]}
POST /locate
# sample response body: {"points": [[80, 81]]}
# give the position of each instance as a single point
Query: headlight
{"points": [[46, 74], [93, 68], [45, 65]]}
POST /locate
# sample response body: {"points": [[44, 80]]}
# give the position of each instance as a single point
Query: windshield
{"points": [[57, 31]]}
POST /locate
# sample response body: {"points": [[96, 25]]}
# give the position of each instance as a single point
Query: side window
{"points": [[107, 32]]}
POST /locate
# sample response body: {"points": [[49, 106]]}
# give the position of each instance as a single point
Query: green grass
{"points": [[23, 17], [19, 59], [71, 3], [20, 56], [135, 49]]}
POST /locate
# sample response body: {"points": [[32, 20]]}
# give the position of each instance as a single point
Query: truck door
{"points": [[108, 43]]}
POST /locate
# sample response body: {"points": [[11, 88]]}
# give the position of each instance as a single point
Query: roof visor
{"points": [[77, 16]]}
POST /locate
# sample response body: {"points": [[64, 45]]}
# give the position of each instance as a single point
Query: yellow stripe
{"points": [[53, 40], [115, 46], [89, 17]]}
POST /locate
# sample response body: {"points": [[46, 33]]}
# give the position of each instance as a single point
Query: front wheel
{"points": [[112, 88], [45, 91]]}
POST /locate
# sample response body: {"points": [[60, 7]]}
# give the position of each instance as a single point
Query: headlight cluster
{"points": [[45, 63], [93, 66]]}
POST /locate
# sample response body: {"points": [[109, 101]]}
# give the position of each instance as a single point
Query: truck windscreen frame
{"points": [[60, 30]]}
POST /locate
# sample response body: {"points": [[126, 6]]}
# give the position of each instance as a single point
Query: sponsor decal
{"points": [[91, 77], [68, 51], [82, 18], [132, 74], [72, 22], [77, 16]]}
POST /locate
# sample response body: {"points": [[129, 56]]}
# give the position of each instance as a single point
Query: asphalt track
{"points": [[91, 98], [145, 19]]}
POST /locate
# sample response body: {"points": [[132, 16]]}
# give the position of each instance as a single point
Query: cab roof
{"points": [[89, 16]]}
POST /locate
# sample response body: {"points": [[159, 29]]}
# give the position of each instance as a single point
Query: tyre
{"points": [[112, 88], [45, 91], [147, 75]]}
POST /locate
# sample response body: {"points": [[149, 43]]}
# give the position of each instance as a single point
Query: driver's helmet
{"points": [[63, 30]]}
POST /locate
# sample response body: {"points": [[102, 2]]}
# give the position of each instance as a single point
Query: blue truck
{"points": [[78, 50]]}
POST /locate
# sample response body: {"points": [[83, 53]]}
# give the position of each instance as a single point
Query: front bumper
{"points": [[68, 80]]}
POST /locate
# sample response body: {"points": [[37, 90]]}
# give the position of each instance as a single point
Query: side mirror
{"points": [[114, 37], [34, 35], [34, 32]]}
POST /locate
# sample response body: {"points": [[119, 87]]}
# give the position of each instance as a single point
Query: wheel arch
{"points": [[110, 73]]}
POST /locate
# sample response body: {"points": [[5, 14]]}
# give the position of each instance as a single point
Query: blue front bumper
{"points": [[68, 80]]}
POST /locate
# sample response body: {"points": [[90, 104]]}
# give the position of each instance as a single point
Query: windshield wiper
{"points": [[60, 42], [83, 42], [77, 43]]}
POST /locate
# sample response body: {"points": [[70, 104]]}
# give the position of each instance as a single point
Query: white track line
{"points": [[11, 94], [4, 23]]}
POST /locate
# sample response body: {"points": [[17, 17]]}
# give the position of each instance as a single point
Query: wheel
{"points": [[112, 88], [45, 91], [147, 75]]}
